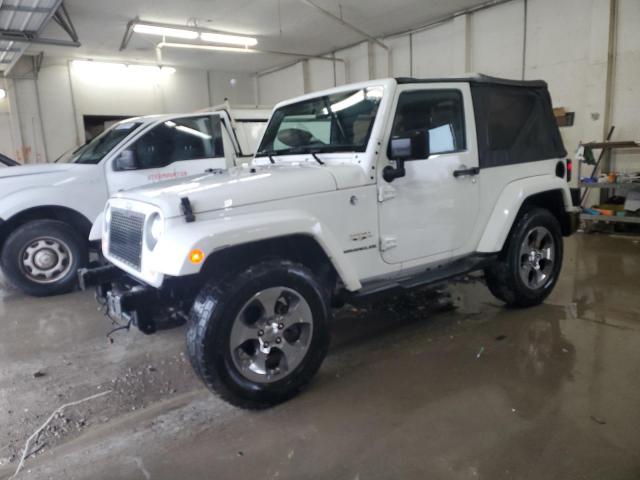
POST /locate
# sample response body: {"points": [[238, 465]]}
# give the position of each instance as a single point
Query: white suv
{"points": [[354, 191]]}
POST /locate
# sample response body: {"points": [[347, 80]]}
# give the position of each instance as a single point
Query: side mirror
{"points": [[126, 161], [413, 146]]}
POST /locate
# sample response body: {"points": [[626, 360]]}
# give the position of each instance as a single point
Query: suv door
{"points": [[430, 212], [172, 149]]}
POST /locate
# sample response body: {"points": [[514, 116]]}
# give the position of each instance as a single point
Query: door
{"points": [[431, 211], [172, 149]]}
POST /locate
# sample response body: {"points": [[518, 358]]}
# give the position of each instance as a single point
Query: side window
{"points": [[507, 117], [180, 139], [439, 111]]}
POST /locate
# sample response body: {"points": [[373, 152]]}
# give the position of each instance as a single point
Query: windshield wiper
{"points": [[267, 153], [302, 151], [315, 155]]}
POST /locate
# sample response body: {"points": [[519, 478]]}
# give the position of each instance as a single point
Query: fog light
{"points": [[196, 256]]}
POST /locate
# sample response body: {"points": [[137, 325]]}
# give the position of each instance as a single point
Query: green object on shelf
{"points": [[589, 159], [620, 214]]}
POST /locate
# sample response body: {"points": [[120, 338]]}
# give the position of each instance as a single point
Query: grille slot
{"points": [[125, 236]]}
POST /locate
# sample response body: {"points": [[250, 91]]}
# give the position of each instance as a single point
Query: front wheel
{"points": [[257, 338], [42, 257], [529, 267]]}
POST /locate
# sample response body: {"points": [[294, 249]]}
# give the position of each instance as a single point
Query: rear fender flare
{"points": [[507, 207]]}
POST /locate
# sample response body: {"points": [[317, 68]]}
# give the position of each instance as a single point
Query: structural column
{"points": [[461, 54]]}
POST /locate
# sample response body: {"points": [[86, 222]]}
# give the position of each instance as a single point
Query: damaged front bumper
{"points": [[131, 302]]}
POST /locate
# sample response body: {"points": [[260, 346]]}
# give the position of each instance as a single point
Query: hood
{"points": [[235, 187], [62, 178], [38, 169]]}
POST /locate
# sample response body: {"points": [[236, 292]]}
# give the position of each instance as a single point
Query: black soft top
{"points": [[514, 119], [477, 79]]}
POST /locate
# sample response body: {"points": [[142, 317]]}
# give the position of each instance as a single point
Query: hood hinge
{"points": [[388, 242]]}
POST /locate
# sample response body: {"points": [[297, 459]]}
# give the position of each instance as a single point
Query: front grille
{"points": [[125, 236]]}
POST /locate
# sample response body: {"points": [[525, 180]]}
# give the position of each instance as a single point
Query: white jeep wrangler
{"points": [[357, 190], [46, 210]]}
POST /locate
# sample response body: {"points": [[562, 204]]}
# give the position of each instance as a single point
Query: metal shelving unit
{"points": [[606, 150]]}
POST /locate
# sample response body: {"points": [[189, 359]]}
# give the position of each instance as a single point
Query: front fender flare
{"points": [[95, 235], [170, 256], [508, 205]]}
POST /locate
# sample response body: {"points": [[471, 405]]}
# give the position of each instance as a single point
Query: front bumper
{"points": [[131, 302]]}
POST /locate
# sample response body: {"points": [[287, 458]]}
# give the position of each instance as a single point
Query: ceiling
{"points": [[21, 17], [283, 25]]}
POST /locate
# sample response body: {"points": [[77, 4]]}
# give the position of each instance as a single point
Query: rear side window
{"points": [[515, 125], [507, 117], [439, 111], [178, 140]]}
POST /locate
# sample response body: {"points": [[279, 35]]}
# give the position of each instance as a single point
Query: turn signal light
{"points": [[196, 256]]}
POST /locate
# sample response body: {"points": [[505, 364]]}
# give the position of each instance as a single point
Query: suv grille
{"points": [[125, 236]]}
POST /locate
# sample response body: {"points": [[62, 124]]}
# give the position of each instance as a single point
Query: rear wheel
{"points": [[257, 338], [529, 267], [42, 257]]}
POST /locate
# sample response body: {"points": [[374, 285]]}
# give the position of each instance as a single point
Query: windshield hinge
{"points": [[388, 242], [386, 192]]}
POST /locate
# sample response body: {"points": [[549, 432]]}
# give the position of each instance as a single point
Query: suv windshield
{"points": [[332, 123], [95, 150]]}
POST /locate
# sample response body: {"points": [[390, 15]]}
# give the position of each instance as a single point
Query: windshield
{"points": [[332, 123], [95, 150]]}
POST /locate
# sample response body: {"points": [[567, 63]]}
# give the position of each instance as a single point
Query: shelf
{"points": [[608, 219], [609, 185]]}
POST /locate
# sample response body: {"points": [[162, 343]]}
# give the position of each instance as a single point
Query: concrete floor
{"points": [[456, 387]]}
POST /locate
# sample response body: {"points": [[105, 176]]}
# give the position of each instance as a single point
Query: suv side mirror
{"points": [[126, 160], [413, 146]]}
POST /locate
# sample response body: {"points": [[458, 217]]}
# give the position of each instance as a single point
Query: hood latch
{"points": [[187, 211]]}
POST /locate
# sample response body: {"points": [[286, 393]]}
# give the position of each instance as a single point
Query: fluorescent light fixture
{"points": [[229, 39], [165, 31], [194, 46], [3, 93]]}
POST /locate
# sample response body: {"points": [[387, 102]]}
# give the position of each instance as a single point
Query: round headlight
{"points": [[155, 230]]}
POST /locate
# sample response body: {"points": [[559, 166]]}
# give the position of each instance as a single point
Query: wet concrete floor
{"points": [[453, 386]]}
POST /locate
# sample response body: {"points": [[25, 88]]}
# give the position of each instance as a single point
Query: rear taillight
{"points": [[569, 169]]}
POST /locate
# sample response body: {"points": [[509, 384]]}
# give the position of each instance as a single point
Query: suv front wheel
{"points": [[529, 266], [258, 337]]}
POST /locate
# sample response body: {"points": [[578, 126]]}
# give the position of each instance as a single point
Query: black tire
{"points": [[210, 326], [503, 277], [16, 245]]}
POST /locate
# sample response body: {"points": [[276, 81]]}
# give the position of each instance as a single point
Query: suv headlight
{"points": [[155, 229]]}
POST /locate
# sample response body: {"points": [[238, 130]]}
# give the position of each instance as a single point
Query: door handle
{"points": [[466, 171]]}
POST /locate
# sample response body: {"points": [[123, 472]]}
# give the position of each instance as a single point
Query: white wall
{"points": [[238, 88], [67, 94], [495, 40], [58, 114], [8, 146], [282, 84], [433, 52]]}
